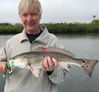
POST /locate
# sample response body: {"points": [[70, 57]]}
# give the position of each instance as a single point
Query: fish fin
{"points": [[54, 49], [88, 66], [35, 72]]}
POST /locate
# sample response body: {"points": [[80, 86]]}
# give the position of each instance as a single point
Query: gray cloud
{"points": [[54, 10]]}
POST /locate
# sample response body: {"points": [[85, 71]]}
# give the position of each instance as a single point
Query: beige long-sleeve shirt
{"points": [[22, 80]]}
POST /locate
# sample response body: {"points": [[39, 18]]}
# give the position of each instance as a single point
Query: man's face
{"points": [[30, 19]]}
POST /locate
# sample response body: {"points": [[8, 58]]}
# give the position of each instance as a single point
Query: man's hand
{"points": [[2, 67], [49, 64]]}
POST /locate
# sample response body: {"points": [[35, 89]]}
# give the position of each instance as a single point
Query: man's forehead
{"points": [[30, 9]]}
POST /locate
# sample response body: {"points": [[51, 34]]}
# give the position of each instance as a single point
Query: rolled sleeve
{"points": [[58, 75]]}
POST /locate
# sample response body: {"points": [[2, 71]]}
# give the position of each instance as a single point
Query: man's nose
{"points": [[29, 17]]}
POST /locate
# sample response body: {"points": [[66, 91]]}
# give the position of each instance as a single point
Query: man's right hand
{"points": [[2, 67]]}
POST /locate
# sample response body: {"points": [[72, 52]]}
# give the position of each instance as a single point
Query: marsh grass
{"points": [[63, 28]]}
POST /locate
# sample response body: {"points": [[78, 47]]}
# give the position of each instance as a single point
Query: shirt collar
{"points": [[23, 36], [41, 39]]}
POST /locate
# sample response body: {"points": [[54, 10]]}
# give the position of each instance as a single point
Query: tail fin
{"points": [[88, 66]]}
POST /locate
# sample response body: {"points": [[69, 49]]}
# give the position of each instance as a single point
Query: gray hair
{"points": [[28, 3]]}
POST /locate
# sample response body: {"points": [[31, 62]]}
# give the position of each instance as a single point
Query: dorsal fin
{"points": [[54, 49]]}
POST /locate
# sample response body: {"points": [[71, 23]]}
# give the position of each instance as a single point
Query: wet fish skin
{"points": [[64, 57]]}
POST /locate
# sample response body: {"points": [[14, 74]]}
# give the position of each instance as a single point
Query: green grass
{"points": [[65, 28]]}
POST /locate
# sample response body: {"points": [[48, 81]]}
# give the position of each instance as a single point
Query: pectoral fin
{"points": [[35, 72]]}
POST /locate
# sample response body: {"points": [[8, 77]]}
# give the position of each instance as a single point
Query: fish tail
{"points": [[88, 66]]}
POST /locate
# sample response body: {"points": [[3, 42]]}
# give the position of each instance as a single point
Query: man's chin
{"points": [[30, 28]]}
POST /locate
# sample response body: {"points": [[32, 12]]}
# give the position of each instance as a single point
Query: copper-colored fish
{"points": [[31, 60]]}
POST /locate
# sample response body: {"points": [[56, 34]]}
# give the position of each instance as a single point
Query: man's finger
{"points": [[55, 62]]}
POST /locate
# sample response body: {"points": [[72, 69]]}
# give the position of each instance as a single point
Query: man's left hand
{"points": [[49, 64]]}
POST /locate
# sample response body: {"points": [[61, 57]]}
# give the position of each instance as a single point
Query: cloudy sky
{"points": [[54, 10]]}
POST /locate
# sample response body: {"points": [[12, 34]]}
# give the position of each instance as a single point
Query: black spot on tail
{"points": [[83, 61]]}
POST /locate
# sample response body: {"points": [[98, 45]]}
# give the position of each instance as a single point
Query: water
{"points": [[4, 38], [77, 80]]}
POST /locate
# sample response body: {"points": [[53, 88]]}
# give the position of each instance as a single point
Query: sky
{"points": [[54, 11]]}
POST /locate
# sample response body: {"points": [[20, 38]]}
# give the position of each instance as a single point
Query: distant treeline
{"points": [[68, 28]]}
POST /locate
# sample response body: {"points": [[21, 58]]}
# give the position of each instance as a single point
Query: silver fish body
{"points": [[31, 60]]}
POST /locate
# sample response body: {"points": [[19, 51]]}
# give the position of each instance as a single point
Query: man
{"points": [[32, 36]]}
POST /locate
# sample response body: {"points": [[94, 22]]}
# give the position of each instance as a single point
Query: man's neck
{"points": [[34, 32], [32, 37]]}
